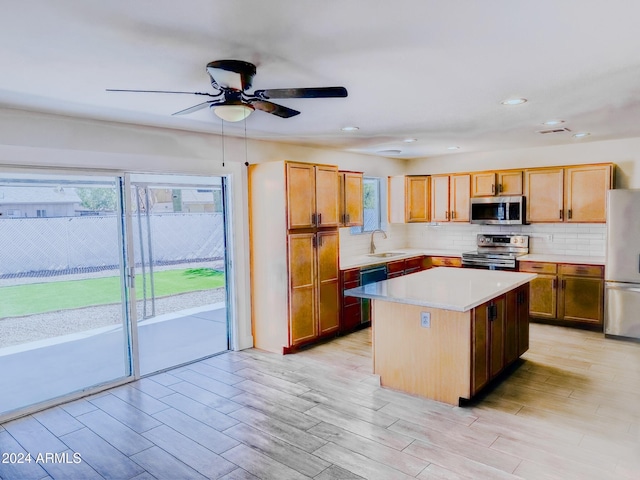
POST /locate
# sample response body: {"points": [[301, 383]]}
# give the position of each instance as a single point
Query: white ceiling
{"points": [[427, 69]]}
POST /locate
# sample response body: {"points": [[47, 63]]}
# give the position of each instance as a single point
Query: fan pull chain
{"points": [[246, 162], [222, 124]]}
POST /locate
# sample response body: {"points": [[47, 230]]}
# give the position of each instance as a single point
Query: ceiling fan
{"points": [[232, 103]]}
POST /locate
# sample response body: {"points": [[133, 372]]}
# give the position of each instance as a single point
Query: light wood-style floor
{"points": [[571, 410]]}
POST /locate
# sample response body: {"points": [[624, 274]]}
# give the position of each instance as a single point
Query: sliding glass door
{"points": [[63, 316], [178, 242]]}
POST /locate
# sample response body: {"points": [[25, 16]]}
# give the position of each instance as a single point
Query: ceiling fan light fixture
{"points": [[234, 112]]}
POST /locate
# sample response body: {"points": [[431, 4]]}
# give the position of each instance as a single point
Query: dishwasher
{"points": [[370, 275]]}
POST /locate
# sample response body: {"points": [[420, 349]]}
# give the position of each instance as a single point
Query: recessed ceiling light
{"points": [[581, 134], [514, 101], [410, 140], [390, 152], [453, 148], [350, 129], [551, 123]]}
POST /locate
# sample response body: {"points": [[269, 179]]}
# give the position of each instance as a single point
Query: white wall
{"points": [[31, 139]]}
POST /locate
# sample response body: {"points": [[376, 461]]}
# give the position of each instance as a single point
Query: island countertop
{"points": [[457, 289]]}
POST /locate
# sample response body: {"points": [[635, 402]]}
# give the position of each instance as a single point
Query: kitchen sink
{"points": [[385, 254]]}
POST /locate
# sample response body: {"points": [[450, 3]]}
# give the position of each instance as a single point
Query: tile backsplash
{"points": [[586, 239]]}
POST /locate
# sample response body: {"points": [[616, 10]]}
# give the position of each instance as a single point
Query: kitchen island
{"points": [[445, 333]]}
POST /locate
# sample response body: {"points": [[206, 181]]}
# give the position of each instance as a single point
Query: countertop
{"points": [[366, 260], [446, 288], [577, 259]]}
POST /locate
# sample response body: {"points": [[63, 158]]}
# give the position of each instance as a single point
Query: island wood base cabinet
{"points": [[451, 355]]}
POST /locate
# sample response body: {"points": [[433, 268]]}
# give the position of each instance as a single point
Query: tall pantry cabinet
{"points": [[294, 215]]}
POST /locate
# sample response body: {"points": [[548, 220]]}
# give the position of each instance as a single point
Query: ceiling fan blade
{"points": [[163, 91], [320, 92], [195, 108], [274, 108]]}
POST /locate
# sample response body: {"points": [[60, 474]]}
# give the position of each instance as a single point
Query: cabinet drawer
{"points": [[446, 262], [582, 270], [351, 275], [395, 274], [413, 264], [538, 267], [395, 267]]}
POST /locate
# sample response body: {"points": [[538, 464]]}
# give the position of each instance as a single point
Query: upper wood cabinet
{"points": [[487, 184], [544, 191], [408, 199], [312, 195], [570, 194], [351, 208], [585, 194], [417, 199], [450, 198]]}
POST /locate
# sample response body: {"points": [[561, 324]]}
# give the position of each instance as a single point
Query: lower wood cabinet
{"points": [[351, 314], [313, 286], [445, 262], [567, 294], [499, 335]]}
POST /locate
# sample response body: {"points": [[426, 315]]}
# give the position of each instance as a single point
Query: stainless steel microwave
{"points": [[498, 210]]}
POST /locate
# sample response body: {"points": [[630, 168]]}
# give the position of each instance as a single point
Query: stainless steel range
{"points": [[496, 251]]}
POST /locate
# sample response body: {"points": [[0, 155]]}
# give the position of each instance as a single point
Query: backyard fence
{"points": [[38, 245]]}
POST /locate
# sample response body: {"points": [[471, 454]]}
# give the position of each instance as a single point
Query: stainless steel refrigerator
{"points": [[622, 267]]}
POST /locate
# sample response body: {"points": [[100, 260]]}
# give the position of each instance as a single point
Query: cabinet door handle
{"points": [[314, 242], [569, 214], [446, 214], [319, 219], [319, 240], [554, 285], [560, 214], [500, 188], [563, 284], [453, 214], [313, 219], [493, 189], [347, 215]]}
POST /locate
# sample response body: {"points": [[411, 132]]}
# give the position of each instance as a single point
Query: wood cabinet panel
{"points": [[586, 189], [395, 267], [460, 192], [544, 191], [301, 195], [417, 189], [440, 198], [480, 334], [351, 185], [497, 335], [483, 184], [543, 296], [581, 299], [302, 289], [510, 183], [327, 195]]}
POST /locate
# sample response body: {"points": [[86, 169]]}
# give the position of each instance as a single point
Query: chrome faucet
{"points": [[372, 248]]}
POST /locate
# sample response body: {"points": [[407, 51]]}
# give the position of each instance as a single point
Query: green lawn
{"points": [[51, 296]]}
